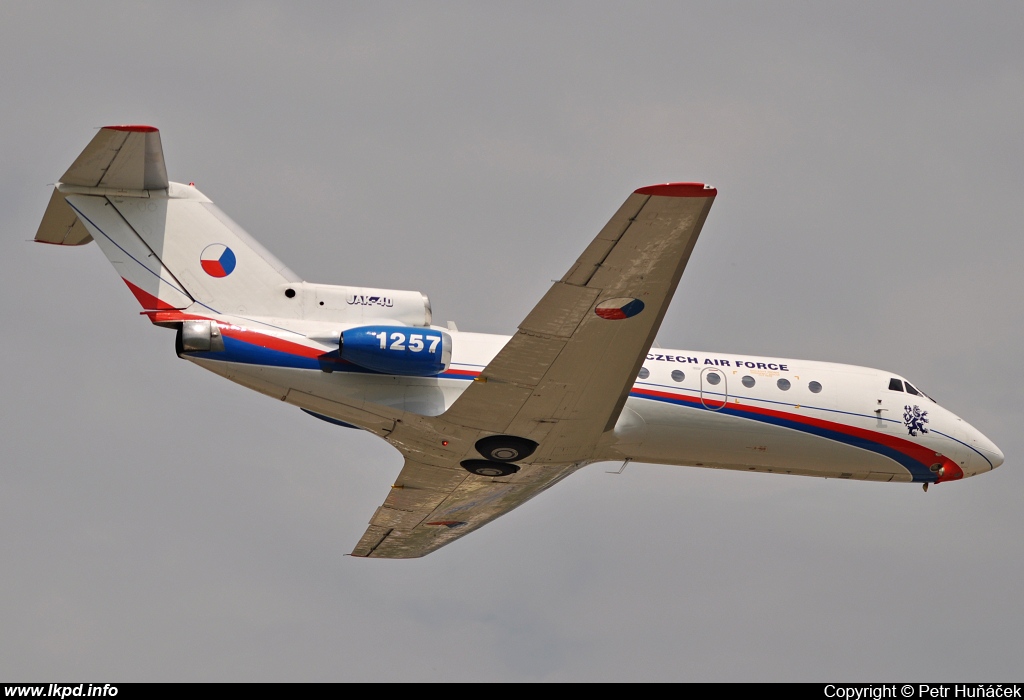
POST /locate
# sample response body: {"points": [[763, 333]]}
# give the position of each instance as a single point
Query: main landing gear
{"points": [[485, 467], [505, 448], [500, 451]]}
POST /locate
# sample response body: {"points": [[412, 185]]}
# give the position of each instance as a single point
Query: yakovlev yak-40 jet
{"points": [[486, 422]]}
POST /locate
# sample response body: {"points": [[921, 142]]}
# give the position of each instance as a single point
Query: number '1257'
{"points": [[398, 342]]}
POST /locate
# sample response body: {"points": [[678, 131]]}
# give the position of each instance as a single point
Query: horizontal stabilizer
{"points": [[121, 157], [60, 225]]}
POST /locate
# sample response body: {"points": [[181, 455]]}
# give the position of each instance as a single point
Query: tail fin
{"points": [[169, 243]]}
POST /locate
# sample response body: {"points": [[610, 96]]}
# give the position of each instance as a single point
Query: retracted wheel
{"points": [[505, 448], [485, 467]]}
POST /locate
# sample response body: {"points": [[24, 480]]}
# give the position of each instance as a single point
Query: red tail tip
{"points": [[679, 189], [132, 127]]}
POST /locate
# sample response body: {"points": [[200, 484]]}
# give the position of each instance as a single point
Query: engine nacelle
{"points": [[200, 336], [411, 352]]}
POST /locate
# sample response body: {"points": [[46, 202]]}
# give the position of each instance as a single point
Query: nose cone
{"points": [[993, 455]]}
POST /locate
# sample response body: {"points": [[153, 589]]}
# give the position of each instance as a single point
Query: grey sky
{"points": [[159, 523]]}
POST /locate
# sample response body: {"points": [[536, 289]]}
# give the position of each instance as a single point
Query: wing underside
{"points": [[121, 158], [430, 506], [560, 381]]}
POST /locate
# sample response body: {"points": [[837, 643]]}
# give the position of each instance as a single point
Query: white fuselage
{"points": [[554, 398], [762, 414]]}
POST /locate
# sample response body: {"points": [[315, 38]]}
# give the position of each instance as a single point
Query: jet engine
{"points": [[404, 350], [199, 336]]}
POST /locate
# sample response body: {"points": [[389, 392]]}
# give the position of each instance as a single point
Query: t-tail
{"points": [[179, 254]]}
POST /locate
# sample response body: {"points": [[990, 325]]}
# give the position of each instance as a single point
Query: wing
{"points": [[561, 381], [430, 506]]}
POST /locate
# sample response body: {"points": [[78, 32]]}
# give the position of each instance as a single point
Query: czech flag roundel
{"points": [[217, 260], [617, 309]]}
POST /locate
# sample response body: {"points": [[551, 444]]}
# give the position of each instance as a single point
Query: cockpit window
{"points": [[903, 385], [911, 389]]}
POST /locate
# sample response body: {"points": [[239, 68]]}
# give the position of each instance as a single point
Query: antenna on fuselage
{"points": [[623, 467]]}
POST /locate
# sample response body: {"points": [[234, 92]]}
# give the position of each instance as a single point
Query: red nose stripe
{"points": [[951, 471]]}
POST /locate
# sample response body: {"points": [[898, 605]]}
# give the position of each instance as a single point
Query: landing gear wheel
{"points": [[484, 467], [505, 448]]}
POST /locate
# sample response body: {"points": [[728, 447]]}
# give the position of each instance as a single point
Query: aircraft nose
{"points": [[988, 448], [996, 456]]}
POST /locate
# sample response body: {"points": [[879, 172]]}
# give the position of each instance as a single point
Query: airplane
{"points": [[486, 422]]}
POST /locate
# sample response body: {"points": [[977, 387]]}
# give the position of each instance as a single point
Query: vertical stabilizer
{"points": [[167, 241], [175, 250]]}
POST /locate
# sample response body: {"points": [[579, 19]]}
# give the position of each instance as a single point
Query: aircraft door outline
{"points": [[713, 404]]}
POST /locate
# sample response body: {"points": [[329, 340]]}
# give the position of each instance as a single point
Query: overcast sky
{"points": [[160, 523]]}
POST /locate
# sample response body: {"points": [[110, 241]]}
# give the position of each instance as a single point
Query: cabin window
{"points": [[677, 375], [713, 377], [644, 373], [784, 384], [911, 389], [815, 387], [895, 384], [748, 381]]}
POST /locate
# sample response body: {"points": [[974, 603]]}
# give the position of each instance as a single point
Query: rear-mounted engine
{"points": [[411, 352], [199, 336]]}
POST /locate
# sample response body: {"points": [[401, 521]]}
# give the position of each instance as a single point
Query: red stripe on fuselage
{"points": [[172, 316], [245, 335], [268, 341]]}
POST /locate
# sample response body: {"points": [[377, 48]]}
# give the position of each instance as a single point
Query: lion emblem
{"points": [[914, 418]]}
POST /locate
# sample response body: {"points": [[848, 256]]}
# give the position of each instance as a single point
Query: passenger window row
{"points": [[714, 378]]}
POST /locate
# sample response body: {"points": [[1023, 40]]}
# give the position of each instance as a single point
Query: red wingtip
{"points": [[679, 189], [132, 127]]}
